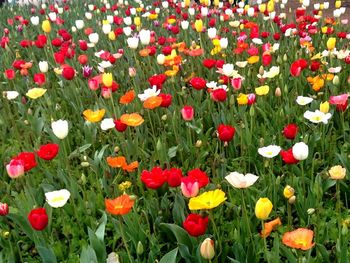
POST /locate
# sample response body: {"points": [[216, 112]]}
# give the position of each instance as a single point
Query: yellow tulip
{"points": [[263, 90], [263, 208], [187, 3], [324, 107], [94, 116], [137, 21], [35, 93], [107, 79], [253, 59], [262, 8], [331, 43], [242, 99], [337, 4], [270, 6], [198, 25], [46, 26], [111, 36], [216, 2], [288, 192]]}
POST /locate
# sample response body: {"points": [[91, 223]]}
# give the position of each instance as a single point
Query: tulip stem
{"points": [[303, 180], [124, 239], [246, 218], [216, 233], [265, 245], [289, 211], [338, 207]]}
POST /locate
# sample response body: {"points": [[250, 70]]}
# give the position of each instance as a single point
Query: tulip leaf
{"points": [[193, 127], [172, 152], [170, 257], [100, 232], [46, 254], [88, 255], [180, 234]]}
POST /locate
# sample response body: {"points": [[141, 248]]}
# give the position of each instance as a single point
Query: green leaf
{"points": [[172, 151], [195, 128], [288, 254], [323, 251], [88, 255], [170, 257], [180, 234], [97, 245], [46, 254], [100, 232]]}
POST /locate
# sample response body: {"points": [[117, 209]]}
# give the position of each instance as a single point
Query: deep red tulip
{"points": [[226, 132], [38, 218], [195, 225]]}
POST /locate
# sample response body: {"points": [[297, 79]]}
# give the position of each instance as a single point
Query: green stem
{"points": [[124, 239], [219, 241], [338, 208], [289, 211], [246, 218], [264, 238]]}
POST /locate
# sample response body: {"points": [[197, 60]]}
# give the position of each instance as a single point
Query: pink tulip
{"points": [[93, 84], [236, 83], [189, 187], [187, 113], [4, 209], [340, 99], [15, 168]]}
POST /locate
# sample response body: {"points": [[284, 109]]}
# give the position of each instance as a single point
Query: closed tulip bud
{"points": [[133, 42], [187, 113], [310, 211], [164, 117], [198, 143], [145, 36], [160, 59], [261, 70], [4, 209], [111, 36], [288, 192], [324, 107], [116, 149], [207, 249], [184, 24], [336, 80], [107, 79], [292, 200], [263, 208], [85, 164], [46, 26], [137, 21], [300, 151], [331, 43], [43, 66], [139, 249], [198, 25], [60, 128], [278, 92]]}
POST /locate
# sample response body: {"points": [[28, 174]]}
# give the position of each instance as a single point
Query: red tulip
{"points": [[48, 151], [290, 131], [187, 113], [38, 218], [4, 209], [10, 73], [195, 225], [199, 176], [209, 63], [153, 179], [288, 157], [297, 66], [68, 73], [219, 95], [28, 159], [157, 80], [39, 79], [83, 59], [174, 176], [119, 126], [166, 100], [226, 132], [198, 83]]}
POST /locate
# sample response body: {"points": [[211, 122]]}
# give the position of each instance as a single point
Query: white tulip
{"points": [[160, 59], [184, 24], [127, 31], [106, 28], [204, 11], [269, 151], [43, 66], [251, 11], [10, 95], [300, 151], [212, 32], [223, 43], [93, 38], [58, 198], [133, 42], [60, 128], [127, 20], [35, 20], [239, 180], [79, 24], [88, 16], [107, 124], [53, 16], [145, 36]]}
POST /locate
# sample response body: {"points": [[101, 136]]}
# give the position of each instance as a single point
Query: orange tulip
{"points": [[131, 166], [116, 162], [300, 238], [94, 116], [128, 97], [270, 226], [133, 119], [120, 205], [152, 102]]}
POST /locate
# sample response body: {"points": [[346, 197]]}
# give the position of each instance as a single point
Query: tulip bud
{"points": [[43, 66], [207, 249], [187, 113], [285, 58], [278, 92], [292, 200], [310, 211], [331, 43], [336, 80], [324, 107], [288, 192], [116, 149], [46, 26], [198, 143], [263, 208], [139, 249], [300, 151], [60, 128]]}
